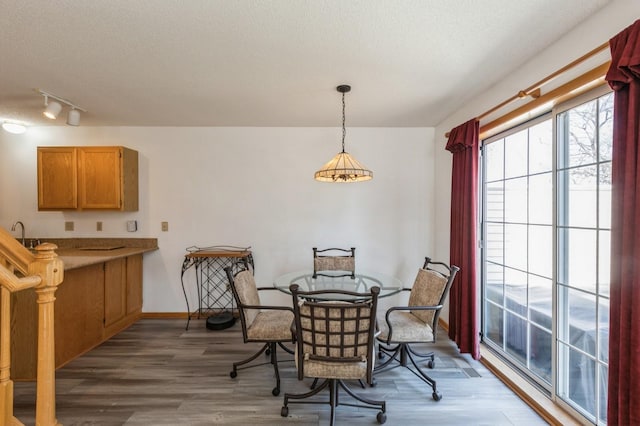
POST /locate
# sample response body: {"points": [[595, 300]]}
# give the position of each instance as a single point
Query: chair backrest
{"points": [[245, 292], [431, 288], [334, 259], [335, 331]]}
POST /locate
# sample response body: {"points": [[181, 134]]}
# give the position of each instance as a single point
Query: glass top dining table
{"points": [[339, 280]]}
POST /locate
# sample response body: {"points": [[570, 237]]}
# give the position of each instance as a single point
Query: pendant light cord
{"points": [[344, 130]]}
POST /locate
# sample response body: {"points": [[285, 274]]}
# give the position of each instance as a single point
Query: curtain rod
{"points": [[534, 89]]}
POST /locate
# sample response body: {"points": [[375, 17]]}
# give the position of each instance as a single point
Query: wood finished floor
{"points": [[156, 373]]}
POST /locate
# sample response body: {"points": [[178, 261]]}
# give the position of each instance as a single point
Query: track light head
{"points": [[52, 109], [73, 118]]}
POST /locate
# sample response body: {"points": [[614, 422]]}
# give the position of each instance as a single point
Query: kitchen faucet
{"points": [[13, 228]]}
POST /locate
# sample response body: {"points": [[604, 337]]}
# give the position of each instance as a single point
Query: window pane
{"points": [[578, 199], [540, 353], [604, 262], [515, 246], [606, 126], [578, 381], [540, 147], [494, 201], [582, 135], [515, 200], [604, 192], [541, 199], [604, 377], [494, 157], [494, 243], [577, 267], [540, 250], [515, 147], [582, 312], [603, 329], [494, 324], [495, 287], [516, 291], [540, 302], [516, 339]]}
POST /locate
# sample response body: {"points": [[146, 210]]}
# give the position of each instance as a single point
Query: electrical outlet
{"points": [[98, 226], [68, 226], [165, 226], [132, 225]]}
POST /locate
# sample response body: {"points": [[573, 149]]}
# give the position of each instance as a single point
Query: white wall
{"points": [[598, 29], [245, 186]]}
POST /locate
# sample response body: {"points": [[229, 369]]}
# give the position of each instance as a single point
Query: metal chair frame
{"points": [[349, 253], [315, 335], [270, 346], [402, 352]]}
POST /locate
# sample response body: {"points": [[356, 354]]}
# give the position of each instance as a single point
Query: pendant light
{"points": [[343, 167]]}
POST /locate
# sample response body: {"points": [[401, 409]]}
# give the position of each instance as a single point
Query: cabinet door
{"points": [[100, 177], [57, 178], [115, 291], [134, 284]]}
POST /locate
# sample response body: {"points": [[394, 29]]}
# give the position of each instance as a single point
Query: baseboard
{"points": [[167, 315]]}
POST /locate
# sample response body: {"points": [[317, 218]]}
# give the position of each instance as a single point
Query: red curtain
{"points": [[624, 320], [463, 324]]}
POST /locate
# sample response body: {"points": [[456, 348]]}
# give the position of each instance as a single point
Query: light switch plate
{"points": [[164, 226], [132, 225]]}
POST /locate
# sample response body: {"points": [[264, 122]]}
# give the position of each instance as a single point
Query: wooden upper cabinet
{"points": [[57, 178], [104, 178]]}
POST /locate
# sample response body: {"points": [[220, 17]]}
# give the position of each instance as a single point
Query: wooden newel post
{"points": [[51, 269]]}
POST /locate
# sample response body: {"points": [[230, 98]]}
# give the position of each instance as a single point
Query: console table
{"points": [[212, 285]]}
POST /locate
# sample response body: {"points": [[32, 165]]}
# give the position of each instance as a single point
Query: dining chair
{"points": [[417, 322], [334, 342], [334, 259], [270, 325]]}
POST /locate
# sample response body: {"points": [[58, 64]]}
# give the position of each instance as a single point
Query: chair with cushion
{"points": [[417, 322], [270, 325], [334, 342], [334, 259]]}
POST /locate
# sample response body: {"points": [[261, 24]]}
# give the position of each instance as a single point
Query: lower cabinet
{"points": [[93, 303]]}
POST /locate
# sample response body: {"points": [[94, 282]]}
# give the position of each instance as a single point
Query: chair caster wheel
{"points": [[374, 383], [437, 396], [381, 417], [267, 352], [284, 412], [275, 391], [431, 363], [233, 374]]}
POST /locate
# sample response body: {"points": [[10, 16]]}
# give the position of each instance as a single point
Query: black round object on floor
{"points": [[221, 321]]}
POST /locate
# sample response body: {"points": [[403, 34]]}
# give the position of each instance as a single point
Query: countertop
{"points": [[80, 252]]}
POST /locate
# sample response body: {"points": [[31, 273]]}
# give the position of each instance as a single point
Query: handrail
{"points": [[21, 270]]}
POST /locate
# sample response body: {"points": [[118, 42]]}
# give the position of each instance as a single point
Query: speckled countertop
{"points": [[80, 252]]}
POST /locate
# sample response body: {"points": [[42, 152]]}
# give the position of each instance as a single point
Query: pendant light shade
{"points": [[343, 167]]}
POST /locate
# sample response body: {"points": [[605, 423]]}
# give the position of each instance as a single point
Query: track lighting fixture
{"points": [[53, 108]]}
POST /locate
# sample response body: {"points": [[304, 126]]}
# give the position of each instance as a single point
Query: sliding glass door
{"points": [[545, 250]]}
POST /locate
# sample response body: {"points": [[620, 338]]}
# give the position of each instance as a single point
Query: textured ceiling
{"points": [[267, 63]]}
